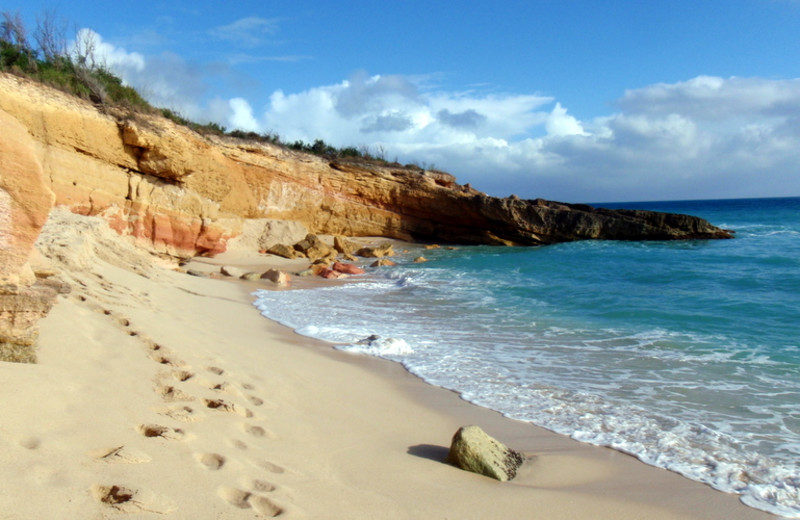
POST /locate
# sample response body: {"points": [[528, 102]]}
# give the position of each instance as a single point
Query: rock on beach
{"points": [[474, 450]]}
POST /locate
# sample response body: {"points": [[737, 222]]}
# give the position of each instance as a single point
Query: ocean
{"points": [[685, 354]]}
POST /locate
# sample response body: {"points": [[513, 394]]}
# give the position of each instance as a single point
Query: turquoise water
{"points": [[685, 354]]}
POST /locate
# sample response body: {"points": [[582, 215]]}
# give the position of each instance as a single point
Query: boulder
{"points": [[474, 450], [260, 234], [341, 267], [380, 251], [314, 248], [282, 250], [330, 274], [251, 276], [380, 262], [277, 277], [420, 260], [343, 246]]}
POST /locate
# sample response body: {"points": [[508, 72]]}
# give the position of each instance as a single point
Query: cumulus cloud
{"points": [[704, 137], [560, 123], [241, 115]]}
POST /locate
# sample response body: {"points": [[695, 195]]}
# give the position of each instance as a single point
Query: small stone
{"points": [[252, 276], [229, 270], [377, 251], [276, 276], [420, 260], [474, 450], [382, 262]]}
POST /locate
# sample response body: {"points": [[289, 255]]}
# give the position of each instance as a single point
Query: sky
{"points": [[570, 100]]}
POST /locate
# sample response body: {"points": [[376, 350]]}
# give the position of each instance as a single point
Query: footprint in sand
{"points": [[247, 500], [269, 466], [120, 455], [164, 432], [165, 360], [179, 413], [171, 394], [257, 431], [30, 443], [130, 500], [255, 401], [153, 346], [239, 445], [182, 375], [216, 370], [226, 406], [221, 387], [261, 486], [211, 461]]}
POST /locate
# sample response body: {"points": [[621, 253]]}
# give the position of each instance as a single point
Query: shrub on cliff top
{"points": [[49, 62]]}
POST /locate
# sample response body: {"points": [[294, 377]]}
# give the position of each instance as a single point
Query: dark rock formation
{"points": [[481, 219]]}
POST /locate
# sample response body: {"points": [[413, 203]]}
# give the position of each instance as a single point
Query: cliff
{"points": [[183, 194]]}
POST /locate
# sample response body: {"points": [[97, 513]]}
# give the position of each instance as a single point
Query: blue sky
{"points": [[582, 100]]}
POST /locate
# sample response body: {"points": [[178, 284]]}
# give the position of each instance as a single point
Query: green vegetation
{"points": [[49, 62], [77, 72]]}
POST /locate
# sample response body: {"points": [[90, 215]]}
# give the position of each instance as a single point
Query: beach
{"points": [[160, 394]]}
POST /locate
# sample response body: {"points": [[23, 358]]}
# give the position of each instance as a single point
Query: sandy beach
{"points": [[158, 394]]}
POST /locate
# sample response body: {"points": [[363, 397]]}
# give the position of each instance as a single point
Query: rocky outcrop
{"points": [[474, 450], [20, 311], [25, 202], [179, 193]]}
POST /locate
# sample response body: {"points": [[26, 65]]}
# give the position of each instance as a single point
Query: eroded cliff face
{"points": [[183, 194], [25, 202]]}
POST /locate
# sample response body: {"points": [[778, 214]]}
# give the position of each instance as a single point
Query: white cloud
{"points": [[90, 46], [251, 31], [704, 137], [559, 123], [242, 115]]}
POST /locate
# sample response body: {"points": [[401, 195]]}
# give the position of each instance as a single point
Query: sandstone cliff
{"points": [[25, 202], [183, 194]]}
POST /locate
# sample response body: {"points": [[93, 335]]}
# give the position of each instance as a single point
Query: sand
{"points": [[162, 395]]}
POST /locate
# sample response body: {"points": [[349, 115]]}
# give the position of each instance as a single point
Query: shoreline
{"points": [[686, 496], [162, 394]]}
